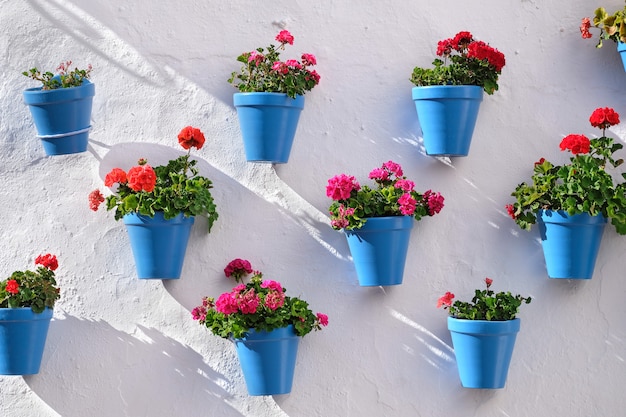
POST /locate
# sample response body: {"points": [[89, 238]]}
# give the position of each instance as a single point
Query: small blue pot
{"points": [[621, 48], [158, 245], [22, 340], [268, 360], [268, 124], [62, 117], [483, 350], [379, 249], [447, 116], [570, 243]]}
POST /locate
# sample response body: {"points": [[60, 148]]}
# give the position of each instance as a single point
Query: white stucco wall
{"points": [[119, 346]]}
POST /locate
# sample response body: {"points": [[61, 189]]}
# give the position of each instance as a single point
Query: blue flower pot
{"points": [[379, 249], [62, 117], [447, 116], [268, 360], [22, 340], [483, 350], [158, 245], [268, 124], [621, 48], [570, 243]]}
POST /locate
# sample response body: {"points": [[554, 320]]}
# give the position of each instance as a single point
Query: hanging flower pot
{"points": [[158, 244], [61, 108], [379, 249], [268, 124], [264, 323], [268, 360], [570, 243], [483, 350], [377, 221], [483, 333], [447, 96], [175, 193], [22, 340], [621, 49], [610, 26], [447, 116], [28, 298]]}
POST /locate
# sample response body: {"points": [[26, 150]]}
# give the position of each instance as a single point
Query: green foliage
{"points": [[462, 71], [583, 186], [485, 305], [66, 78], [611, 26], [175, 192], [36, 290]]}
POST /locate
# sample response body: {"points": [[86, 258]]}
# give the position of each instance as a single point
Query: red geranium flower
{"points": [[445, 300], [576, 144], [95, 198], [12, 286], [191, 137], [141, 178], [604, 117], [117, 175], [47, 261]]}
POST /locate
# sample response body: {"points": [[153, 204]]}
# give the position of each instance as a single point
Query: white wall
{"points": [[119, 346]]}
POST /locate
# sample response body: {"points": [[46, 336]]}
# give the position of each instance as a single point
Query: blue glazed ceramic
{"points": [[62, 117], [483, 350], [447, 116], [570, 243], [268, 124], [22, 340], [158, 245], [268, 360], [621, 48], [379, 249]]}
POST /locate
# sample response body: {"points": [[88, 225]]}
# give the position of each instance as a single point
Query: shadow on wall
{"points": [[112, 373]]}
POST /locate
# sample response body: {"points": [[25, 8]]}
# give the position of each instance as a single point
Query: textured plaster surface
{"points": [[119, 346]]}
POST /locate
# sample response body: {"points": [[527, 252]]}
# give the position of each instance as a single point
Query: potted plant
{"points": [[447, 97], [377, 221], [158, 206], [611, 28], [265, 325], [26, 302], [61, 108], [572, 203], [483, 334], [270, 99]]}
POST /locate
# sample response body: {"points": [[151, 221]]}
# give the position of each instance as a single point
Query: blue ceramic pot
{"points": [[268, 124], [483, 350], [447, 116], [158, 245], [62, 117], [379, 249], [570, 243], [268, 360], [22, 340], [621, 48]]}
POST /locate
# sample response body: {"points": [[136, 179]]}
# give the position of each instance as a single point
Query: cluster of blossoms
{"points": [[466, 61], [611, 26], [66, 77], [36, 290], [583, 186], [394, 196], [260, 305], [167, 188], [263, 70], [485, 305], [465, 44]]}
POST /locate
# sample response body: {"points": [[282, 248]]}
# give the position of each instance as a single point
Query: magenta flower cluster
{"points": [[395, 195]]}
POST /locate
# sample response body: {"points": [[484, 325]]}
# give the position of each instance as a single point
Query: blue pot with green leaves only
{"points": [[379, 249], [570, 243], [268, 360], [268, 124], [62, 117], [23, 336], [447, 115], [158, 244], [483, 350]]}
